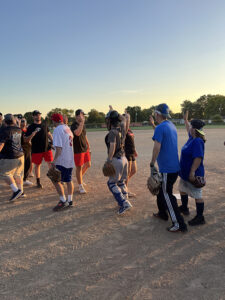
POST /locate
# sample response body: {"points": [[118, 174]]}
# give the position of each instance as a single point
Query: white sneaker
{"points": [[27, 182], [82, 190]]}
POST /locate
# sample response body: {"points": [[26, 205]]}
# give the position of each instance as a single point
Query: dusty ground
{"points": [[89, 252]]}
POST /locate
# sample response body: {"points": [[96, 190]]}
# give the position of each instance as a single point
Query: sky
{"points": [[91, 53]]}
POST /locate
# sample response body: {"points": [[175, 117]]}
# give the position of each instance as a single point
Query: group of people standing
{"points": [[72, 149]]}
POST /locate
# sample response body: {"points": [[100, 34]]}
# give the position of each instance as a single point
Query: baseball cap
{"points": [[198, 125], [58, 118], [114, 115], [9, 118], [36, 112], [79, 111], [163, 109]]}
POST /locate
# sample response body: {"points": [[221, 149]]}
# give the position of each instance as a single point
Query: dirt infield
{"points": [[89, 252]]}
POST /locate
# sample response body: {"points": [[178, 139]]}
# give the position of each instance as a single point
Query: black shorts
{"points": [[130, 157]]}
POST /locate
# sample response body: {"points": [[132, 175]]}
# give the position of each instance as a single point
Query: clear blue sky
{"points": [[91, 53]]}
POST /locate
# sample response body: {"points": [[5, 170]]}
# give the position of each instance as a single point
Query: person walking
{"points": [[165, 151]]}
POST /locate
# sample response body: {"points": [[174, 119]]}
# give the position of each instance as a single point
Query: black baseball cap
{"points": [[36, 112], [78, 112]]}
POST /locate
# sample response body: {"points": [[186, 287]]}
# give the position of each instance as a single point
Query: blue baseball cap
{"points": [[163, 109]]}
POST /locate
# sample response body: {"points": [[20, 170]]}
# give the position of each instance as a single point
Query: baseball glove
{"points": [[154, 181], [54, 175], [108, 169], [199, 182]]}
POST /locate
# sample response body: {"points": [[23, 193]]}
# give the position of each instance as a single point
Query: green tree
{"points": [[135, 113], [187, 105], [95, 117], [29, 117]]}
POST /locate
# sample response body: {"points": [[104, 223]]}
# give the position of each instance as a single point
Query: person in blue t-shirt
{"points": [[191, 165], [165, 151]]}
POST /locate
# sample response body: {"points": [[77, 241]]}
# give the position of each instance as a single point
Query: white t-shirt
{"points": [[63, 138]]}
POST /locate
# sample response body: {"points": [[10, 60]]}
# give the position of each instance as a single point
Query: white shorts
{"points": [[188, 188]]}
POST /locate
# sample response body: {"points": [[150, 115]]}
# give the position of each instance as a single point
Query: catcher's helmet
{"points": [[114, 116]]}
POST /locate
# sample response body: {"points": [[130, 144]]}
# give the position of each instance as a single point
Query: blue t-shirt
{"points": [[166, 134], [193, 148]]}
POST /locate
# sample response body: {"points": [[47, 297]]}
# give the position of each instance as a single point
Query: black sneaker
{"points": [[39, 185], [177, 228], [184, 210], [197, 220], [16, 195], [60, 205], [160, 215], [70, 204]]}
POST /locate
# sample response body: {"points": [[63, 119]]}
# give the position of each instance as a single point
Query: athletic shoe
{"points": [[61, 205], [39, 185], [16, 195], [176, 228], [126, 206], [23, 195], [28, 183], [70, 204], [197, 220], [160, 215], [31, 174], [184, 210], [82, 190]]}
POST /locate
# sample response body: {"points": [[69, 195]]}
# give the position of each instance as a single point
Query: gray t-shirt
{"points": [[115, 136]]}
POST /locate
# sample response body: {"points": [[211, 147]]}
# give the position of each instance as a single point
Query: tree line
{"points": [[206, 107]]}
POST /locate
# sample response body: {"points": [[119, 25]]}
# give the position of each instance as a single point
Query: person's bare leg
{"points": [[86, 166], [59, 188], [19, 182], [132, 169], [37, 169], [70, 189], [79, 174]]}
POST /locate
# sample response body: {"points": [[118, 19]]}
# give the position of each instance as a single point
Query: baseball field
{"points": [[89, 252]]}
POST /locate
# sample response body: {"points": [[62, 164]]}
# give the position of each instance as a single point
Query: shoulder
{"points": [[198, 141]]}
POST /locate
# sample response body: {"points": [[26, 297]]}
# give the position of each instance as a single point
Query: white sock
{"points": [[62, 198], [14, 187], [70, 198]]}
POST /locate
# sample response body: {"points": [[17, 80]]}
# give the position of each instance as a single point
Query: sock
{"points": [[200, 208], [38, 180], [14, 187], [62, 198], [70, 198], [184, 200]]}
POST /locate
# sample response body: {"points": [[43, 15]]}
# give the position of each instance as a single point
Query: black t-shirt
{"points": [[39, 142], [79, 142], [115, 136], [11, 137], [129, 143]]}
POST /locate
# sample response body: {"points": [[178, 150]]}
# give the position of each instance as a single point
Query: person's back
{"points": [[11, 135], [166, 135]]}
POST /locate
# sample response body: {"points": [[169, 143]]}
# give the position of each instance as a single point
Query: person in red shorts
{"points": [[81, 148], [39, 135]]}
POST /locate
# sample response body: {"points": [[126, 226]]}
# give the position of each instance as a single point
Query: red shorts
{"points": [[81, 158], [37, 157]]}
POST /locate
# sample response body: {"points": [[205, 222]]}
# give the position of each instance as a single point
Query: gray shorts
{"points": [[188, 188]]}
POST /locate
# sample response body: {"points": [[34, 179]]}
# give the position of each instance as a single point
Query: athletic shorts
{"points": [[131, 157], [81, 158], [66, 173], [11, 167], [37, 157]]}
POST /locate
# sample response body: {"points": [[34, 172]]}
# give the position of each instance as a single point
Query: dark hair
{"points": [[199, 135]]}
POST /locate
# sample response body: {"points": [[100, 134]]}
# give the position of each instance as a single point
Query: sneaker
{"points": [[31, 174], [39, 185], [27, 183], [82, 190], [184, 210], [160, 215], [16, 195], [61, 205], [177, 228], [70, 204], [23, 195], [126, 206], [197, 220]]}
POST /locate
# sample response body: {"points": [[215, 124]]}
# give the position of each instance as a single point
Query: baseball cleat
{"points": [[61, 205], [176, 228], [16, 195]]}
